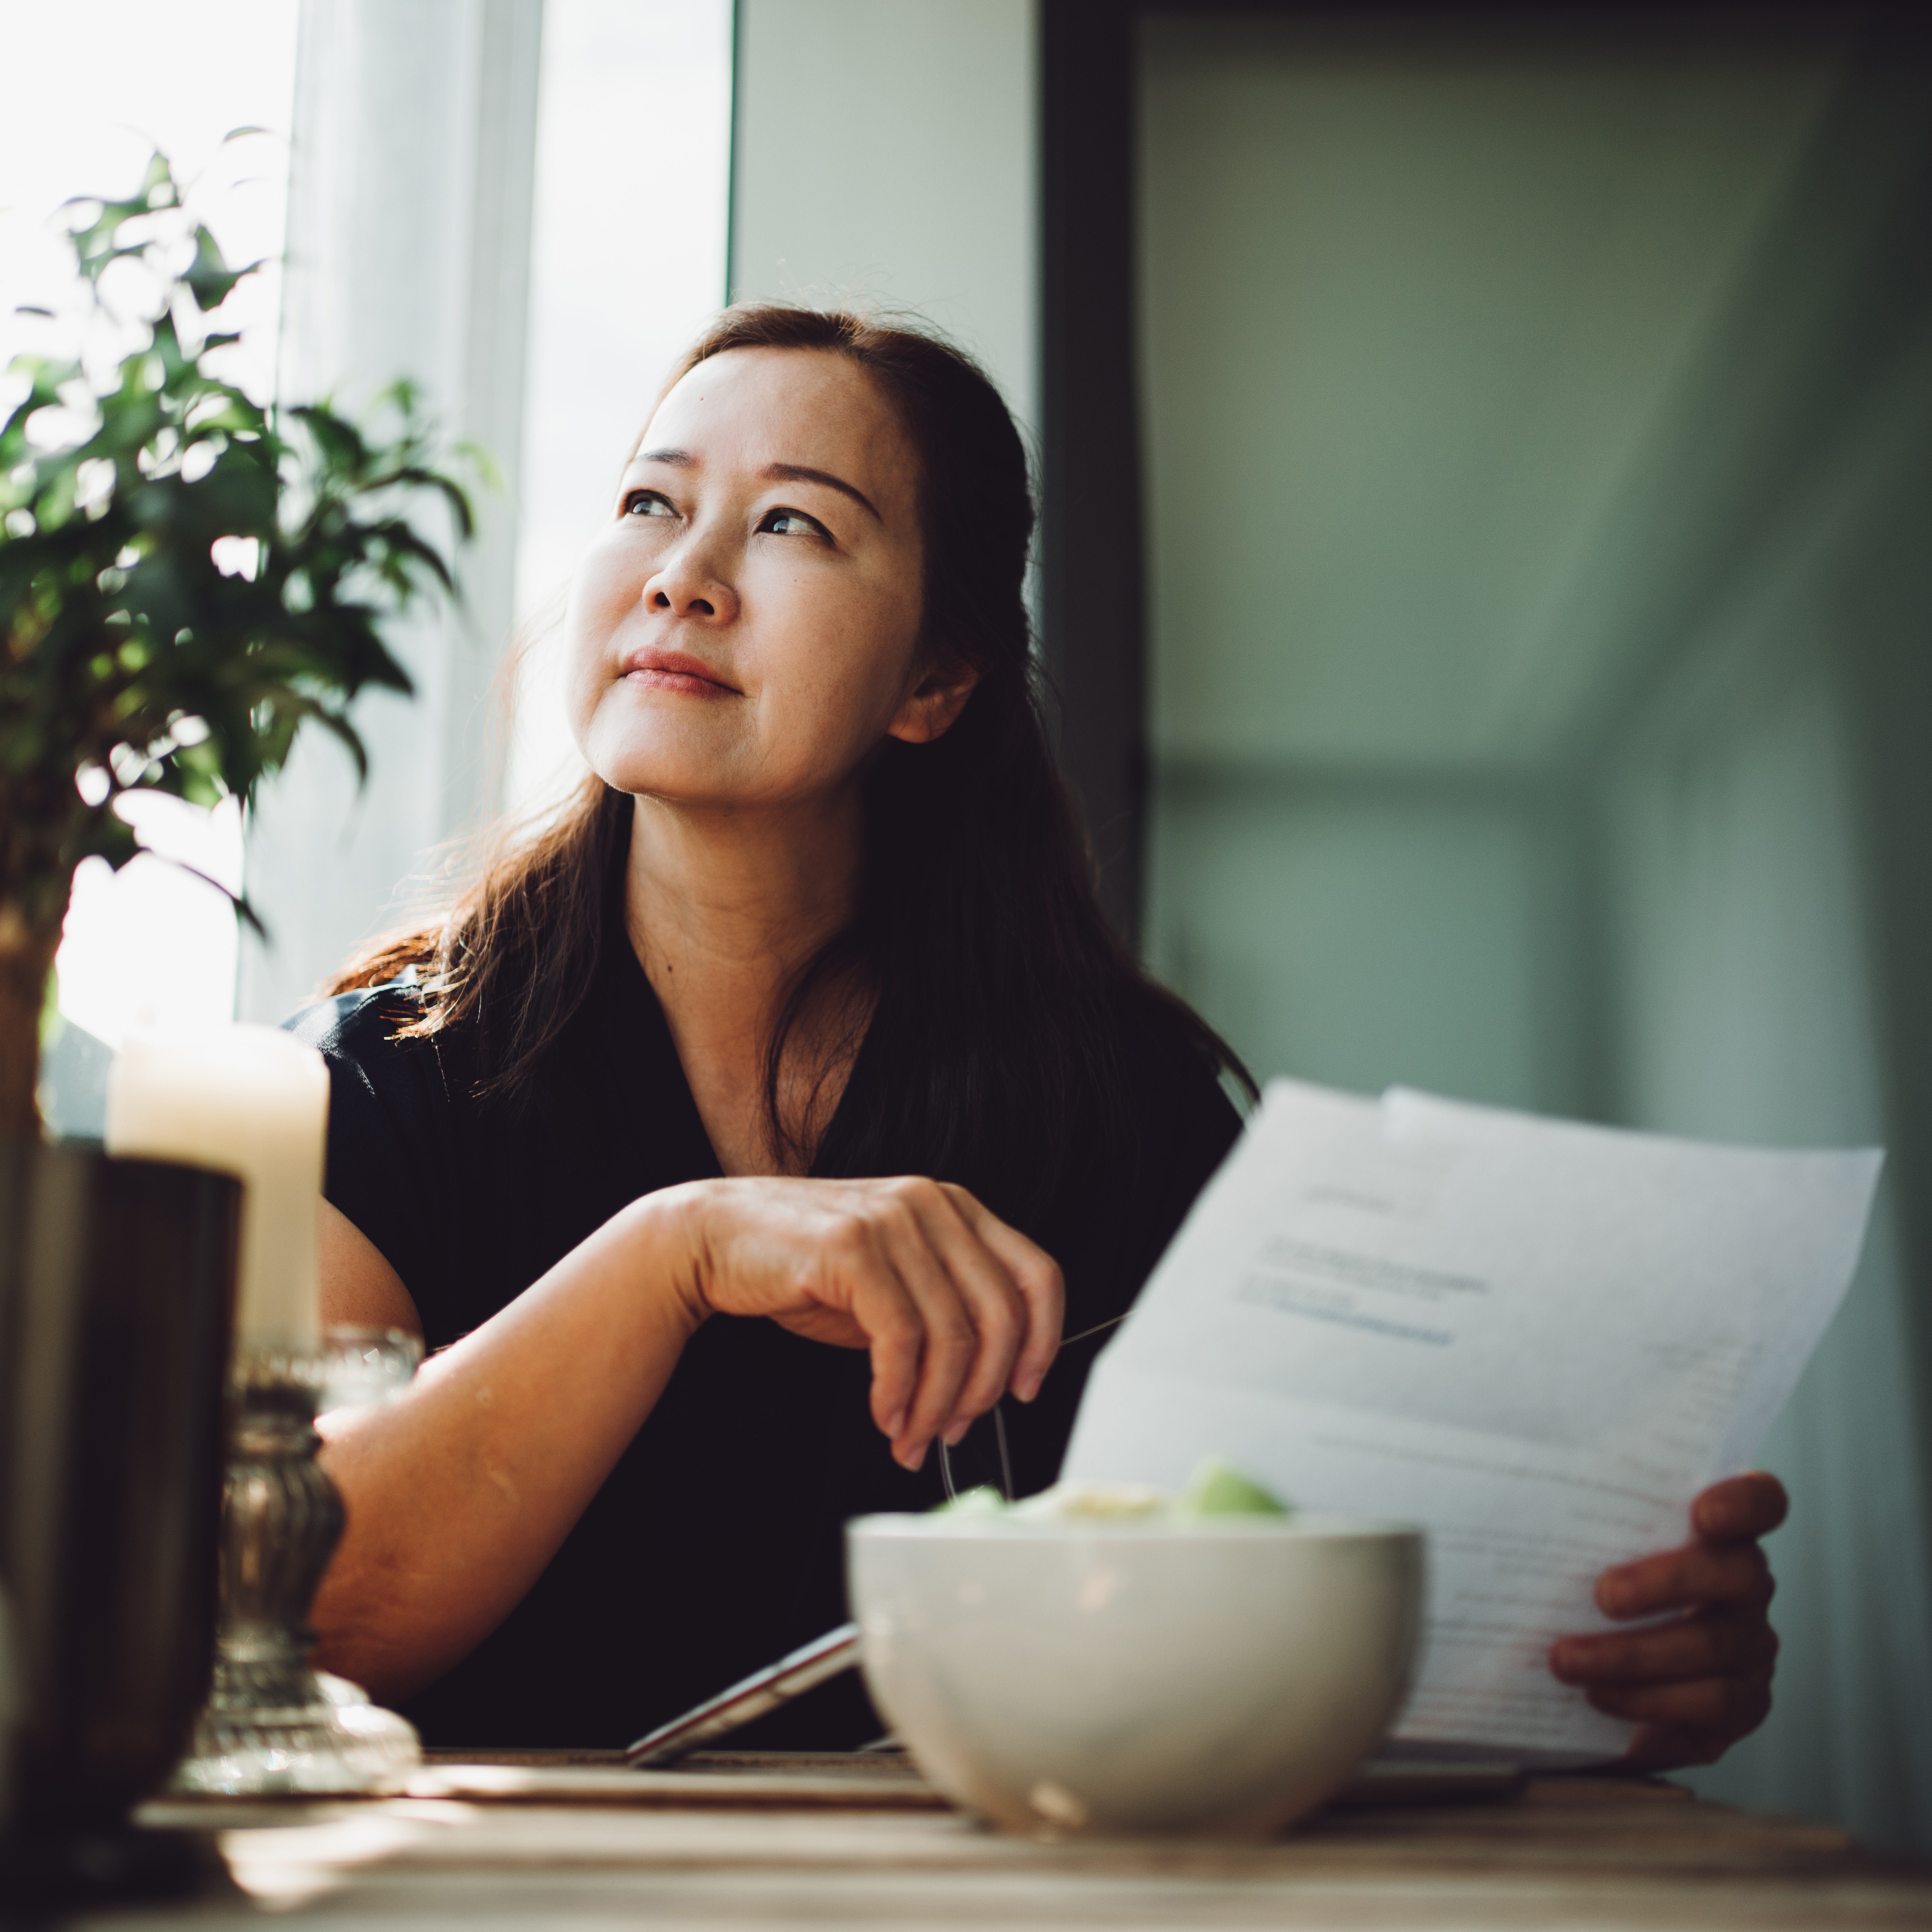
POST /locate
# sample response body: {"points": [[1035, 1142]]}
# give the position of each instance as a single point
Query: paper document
{"points": [[1536, 1339]]}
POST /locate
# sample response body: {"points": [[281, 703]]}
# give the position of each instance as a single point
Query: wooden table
{"points": [[747, 1843]]}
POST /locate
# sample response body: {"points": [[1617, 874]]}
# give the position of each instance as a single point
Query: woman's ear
{"points": [[934, 706]]}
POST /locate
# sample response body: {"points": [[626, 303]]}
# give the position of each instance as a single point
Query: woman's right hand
{"points": [[955, 1308]]}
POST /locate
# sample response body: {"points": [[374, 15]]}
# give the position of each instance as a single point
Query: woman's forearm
{"points": [[459, 1493]]}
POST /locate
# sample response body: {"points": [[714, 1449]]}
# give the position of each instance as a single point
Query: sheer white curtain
{"points": [[408, 246], [521, 205]]}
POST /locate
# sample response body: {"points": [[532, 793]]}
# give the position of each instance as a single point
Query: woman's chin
{"points": [[687, 784], [699, 771], [668, 758]]}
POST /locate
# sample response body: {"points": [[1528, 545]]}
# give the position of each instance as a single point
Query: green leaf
{"points": [[209, 278], [116, 621]]}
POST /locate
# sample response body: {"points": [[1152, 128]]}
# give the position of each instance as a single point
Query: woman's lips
{"points": [[676, 670]]}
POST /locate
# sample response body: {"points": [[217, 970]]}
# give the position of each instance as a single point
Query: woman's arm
{"points": [[1701, 1681], [459, 1493]]}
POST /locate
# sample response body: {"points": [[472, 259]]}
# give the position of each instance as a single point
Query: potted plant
{"points": [[187, 579]]}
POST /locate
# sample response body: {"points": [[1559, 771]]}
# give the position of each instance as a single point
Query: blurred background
{"points": [[1486, 458]]}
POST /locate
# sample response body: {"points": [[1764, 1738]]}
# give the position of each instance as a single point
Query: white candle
{"points": [[247, 1100]]}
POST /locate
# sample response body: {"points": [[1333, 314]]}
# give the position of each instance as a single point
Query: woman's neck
{"points": [[723, 909]]}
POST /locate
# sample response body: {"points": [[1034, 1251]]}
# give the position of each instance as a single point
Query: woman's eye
{"points": [[646, 503], [791, 523]]}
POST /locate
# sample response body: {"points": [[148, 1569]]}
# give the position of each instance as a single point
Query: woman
{"points": [[603, 1135]]}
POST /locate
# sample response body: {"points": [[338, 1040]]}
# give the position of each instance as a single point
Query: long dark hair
{"points": [[1003, 1009]]}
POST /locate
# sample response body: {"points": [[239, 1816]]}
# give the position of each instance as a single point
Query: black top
{"points": [[715, 1544]]}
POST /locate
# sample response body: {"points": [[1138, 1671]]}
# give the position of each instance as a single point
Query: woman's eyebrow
{"points": [[797, 473], [776, 472]]}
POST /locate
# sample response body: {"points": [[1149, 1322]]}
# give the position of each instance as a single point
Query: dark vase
{"points": [[116, 1287]]}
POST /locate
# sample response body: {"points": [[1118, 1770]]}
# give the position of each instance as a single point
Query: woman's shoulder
{"points": [[1179, 1087], [1183, 1121], [371, 1035], [1148, 1147], [360, 1021], [392, 1165]]}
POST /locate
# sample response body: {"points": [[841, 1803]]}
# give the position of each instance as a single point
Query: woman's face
{"points": [[744, 630]]}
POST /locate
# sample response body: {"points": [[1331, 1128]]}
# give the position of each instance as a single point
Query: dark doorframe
{"points": [[1092, 602]]}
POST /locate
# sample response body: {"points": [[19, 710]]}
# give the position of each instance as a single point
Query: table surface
{"points": [[747, 1841]]}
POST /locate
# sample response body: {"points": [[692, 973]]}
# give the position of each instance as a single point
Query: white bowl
{"points": [[1113, 1678]]}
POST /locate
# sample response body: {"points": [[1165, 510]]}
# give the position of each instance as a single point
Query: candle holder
{"points": [[273, 1723]]}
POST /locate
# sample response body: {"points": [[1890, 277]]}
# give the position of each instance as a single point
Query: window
{"points": [[627, 264], [152, 943]]}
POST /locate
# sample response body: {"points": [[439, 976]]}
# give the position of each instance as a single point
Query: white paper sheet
{"points": [[1537, 1340]]}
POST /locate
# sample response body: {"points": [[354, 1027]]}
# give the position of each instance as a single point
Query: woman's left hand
{"points": [[1697, 1684]]}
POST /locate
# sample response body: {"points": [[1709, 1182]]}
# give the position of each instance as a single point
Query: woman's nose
{"points": [[684, 586]]}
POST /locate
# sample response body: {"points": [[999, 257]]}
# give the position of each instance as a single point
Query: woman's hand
{"points": [[1697, 1684], [955, 1306]]}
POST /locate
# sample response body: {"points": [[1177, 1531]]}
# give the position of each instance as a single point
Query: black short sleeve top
{"points": [[714, 1545]]}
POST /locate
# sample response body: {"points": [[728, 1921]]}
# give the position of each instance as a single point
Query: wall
{"points": [[886, 156], [1750, 1005], [1538, 479], [1365, 930], [1411, 311]]}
